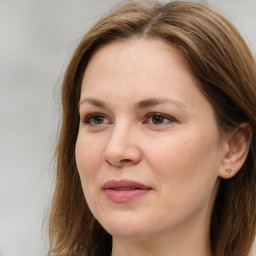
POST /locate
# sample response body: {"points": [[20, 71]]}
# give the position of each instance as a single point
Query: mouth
{"points": [[124, 191]]}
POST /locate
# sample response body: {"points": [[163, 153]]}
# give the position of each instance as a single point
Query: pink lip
{"points": [[124, 191]]}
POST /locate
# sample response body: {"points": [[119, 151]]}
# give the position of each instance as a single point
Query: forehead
{"points": [[137, 61]]}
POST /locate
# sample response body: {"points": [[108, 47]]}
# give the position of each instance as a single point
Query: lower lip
{"points": [[124, 196]]}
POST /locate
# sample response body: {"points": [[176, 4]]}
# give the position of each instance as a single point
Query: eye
{"points": [[95, 119], [158, 118]]}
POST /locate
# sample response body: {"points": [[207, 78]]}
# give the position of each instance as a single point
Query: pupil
{"points": [[158, 119], [98, 120]]}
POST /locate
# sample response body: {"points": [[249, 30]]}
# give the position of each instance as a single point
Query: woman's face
{"points": [[148, 150]]}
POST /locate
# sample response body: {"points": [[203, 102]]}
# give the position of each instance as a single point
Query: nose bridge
{"points": [[120, 138], [122, 146]]}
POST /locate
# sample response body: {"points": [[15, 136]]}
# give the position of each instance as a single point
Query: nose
{"points": [[122, 147]]}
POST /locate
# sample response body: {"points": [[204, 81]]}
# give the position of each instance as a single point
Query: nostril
{"points": [[120, 163], [125, 161], [117, 164]]}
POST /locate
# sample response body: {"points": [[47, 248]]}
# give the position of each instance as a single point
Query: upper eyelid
{"points": [[87, 117], [86, 111], [160, 114], [92, 113]]}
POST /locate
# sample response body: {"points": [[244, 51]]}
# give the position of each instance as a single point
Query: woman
{"points": [[156, 154]]}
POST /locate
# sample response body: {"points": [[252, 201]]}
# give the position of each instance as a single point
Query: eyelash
{"points": [[165, 117], [87, 119]]}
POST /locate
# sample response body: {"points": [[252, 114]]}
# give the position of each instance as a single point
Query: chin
{"points": [[125, 227]]}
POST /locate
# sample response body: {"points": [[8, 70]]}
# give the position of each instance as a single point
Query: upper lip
{"points": [[117, 184]]}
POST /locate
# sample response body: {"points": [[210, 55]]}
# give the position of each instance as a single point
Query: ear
{"points": [[236, 151]]}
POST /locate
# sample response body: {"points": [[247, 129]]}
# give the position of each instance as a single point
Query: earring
{"points": [[229, 170]]}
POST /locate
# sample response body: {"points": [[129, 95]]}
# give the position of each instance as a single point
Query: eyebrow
{"points": [[139, 105], [92, 101], [154, 101]]}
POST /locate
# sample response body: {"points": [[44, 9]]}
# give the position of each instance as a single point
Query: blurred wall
{"points": [[37, 39]]}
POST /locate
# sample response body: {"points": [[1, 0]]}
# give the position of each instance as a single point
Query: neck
{"points": [[160, 247]]}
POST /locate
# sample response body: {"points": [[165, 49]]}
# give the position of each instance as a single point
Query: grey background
{"points": [[37, 39]]}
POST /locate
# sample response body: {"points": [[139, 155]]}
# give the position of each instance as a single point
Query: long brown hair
{"points": [[226, 73]]}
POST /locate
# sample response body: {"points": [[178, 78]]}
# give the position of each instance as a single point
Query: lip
{"points": [[123, 191]]}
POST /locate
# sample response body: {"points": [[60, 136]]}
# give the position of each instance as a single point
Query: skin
{"points": [[180, 156]]}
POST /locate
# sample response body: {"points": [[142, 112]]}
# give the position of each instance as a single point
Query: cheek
{"points": [[88, 159], [185, 162], [186, 175], [169, 154]]}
